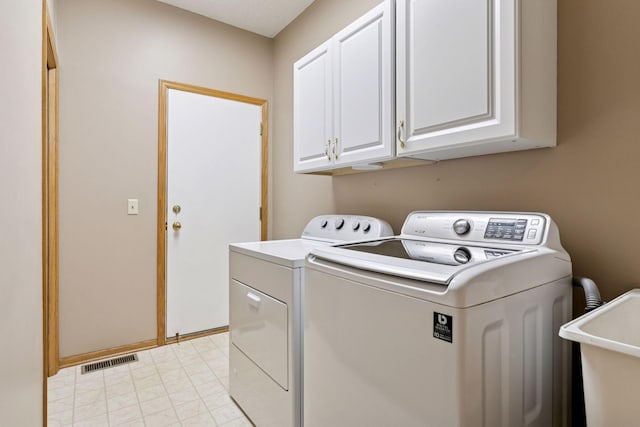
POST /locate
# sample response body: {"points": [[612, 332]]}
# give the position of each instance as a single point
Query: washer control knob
{"points": [[462, 255], [355, 225], [339, 223], [366, 227], [461, 226], [324, 223]]}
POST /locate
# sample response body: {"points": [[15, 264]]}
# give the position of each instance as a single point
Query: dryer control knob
{"points": [[324, 223], [461, 226], [366, 227], [462, 255], [355, 225], [339, 223]]}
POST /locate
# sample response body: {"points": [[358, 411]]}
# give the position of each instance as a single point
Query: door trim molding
{"points": [[163, 86], [50, 79], [196, 335], [79, 359], [92, 356]]}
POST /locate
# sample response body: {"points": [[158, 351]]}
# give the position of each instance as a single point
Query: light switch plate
{"points": [[132, 206]]}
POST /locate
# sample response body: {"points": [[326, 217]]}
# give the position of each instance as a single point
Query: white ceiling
{"points": [[265, 17]]}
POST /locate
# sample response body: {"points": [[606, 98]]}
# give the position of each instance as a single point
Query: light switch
{"points": [[132, 206]]}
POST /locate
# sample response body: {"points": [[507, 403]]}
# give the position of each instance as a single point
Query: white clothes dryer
{"points": [[452, 323], [265, 298]]}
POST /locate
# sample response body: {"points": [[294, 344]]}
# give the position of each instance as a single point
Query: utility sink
{"points": [[609, 338]]}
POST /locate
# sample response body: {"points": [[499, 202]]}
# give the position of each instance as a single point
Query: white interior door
{"points": [[214, 176]]}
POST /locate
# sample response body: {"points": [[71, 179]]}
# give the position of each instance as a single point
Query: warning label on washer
{"points": [[443, 327]]}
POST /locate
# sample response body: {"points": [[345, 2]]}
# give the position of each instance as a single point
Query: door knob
{"points": [[176, 209], [176, 225]]}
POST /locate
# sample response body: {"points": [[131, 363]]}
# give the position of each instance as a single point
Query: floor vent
{"points": [[104, 364]]}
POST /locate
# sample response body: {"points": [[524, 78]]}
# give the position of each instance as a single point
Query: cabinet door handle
{"points": [[400, 126], [326, 149], [335, 155]]}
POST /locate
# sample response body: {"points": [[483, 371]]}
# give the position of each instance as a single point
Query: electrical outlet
{"points": [[132, 206]]}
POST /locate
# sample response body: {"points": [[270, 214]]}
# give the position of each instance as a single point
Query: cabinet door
{"points": [[455, 72], [363, 88], [312, 110]]}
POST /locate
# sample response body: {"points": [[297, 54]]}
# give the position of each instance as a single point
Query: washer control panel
{"points": [[346, 228], [507, 227]]}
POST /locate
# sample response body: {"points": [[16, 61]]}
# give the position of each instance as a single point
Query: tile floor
{"points": [[184, 384]]}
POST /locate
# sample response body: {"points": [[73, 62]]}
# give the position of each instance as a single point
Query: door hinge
{"points": [[260, 213], [261, 128], [165, 225]]}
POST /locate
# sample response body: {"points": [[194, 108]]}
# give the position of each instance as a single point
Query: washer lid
{"points": [[415, 259]]}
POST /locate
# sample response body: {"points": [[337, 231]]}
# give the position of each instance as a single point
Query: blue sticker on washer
{"points": [[443, 327]]}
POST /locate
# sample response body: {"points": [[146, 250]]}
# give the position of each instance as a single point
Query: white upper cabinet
{"points": [[313, 110], [475, 77], [343, 96]]}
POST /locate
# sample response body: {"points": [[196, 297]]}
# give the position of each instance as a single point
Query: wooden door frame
{"points": [[163, 87], [50, 173]]}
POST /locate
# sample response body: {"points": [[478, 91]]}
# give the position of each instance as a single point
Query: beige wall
{"points": [[21, 363], [298, 198], [112, 54], [588, 183]]}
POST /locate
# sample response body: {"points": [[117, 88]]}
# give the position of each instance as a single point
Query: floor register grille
{"points": [[104, 364]]}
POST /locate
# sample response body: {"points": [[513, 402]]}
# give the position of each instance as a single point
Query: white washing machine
{"points": [[453, 323], [265, 316]]}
